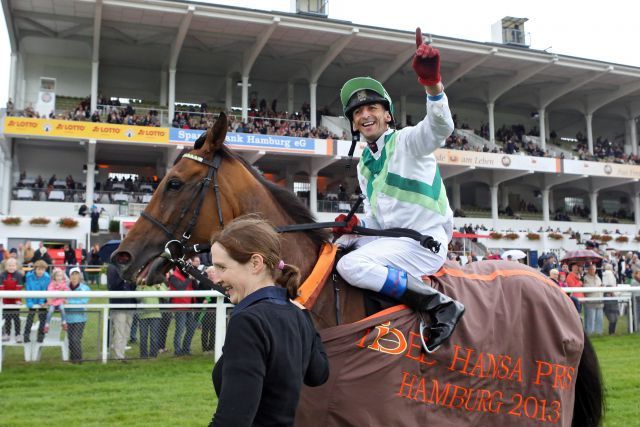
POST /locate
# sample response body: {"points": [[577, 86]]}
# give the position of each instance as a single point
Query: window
{"points": [[123, 176], [301, 186]]}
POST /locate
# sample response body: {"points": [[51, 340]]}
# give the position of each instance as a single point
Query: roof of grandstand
{"points": [[218, 41]]}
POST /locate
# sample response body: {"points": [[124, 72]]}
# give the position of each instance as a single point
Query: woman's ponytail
{"points": [[289, 279]]}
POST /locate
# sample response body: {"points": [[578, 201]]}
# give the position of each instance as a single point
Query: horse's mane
{"points": [[289, 202]]}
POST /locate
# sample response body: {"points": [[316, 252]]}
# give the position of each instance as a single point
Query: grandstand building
{"points": [[107, 90]]}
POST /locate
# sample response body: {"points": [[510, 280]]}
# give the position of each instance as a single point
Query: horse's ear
{"points": [[216, 135]]}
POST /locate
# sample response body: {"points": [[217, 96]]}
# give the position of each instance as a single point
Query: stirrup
{"points": [[423, 326]]}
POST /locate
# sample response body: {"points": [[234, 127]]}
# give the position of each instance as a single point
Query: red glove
{"points": [[426, 62], [339, 231]]}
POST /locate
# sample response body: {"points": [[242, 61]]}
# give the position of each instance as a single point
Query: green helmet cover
{"points": [[364, 84]]}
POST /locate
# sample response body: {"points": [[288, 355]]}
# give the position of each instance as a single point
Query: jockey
{"points": [[399, 176]]}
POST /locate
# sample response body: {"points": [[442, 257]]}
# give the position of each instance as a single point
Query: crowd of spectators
{"points": [[265, 119], [23, 268], [262, 119]]}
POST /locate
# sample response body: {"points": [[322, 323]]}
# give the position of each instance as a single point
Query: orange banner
{"points": [[50, 128]]}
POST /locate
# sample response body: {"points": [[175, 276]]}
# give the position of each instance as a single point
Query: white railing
{"points": [[220, 308], [627, 295]]}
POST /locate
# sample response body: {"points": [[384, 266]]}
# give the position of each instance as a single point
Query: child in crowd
{"points": [[58, 283], [37, 280], [11, 280]]}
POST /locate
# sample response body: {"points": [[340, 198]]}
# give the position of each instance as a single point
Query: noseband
{"points": [[175, 247]]}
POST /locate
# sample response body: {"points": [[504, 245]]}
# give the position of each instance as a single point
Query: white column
{"points": [[456, 195], [13, 78], [95, 65], [91, 168], [636, 209], [313, 87], [589, 118], [6, 183], [245, 98], [634, 136], [313, 193], [170, 156], [290, 98], [552, 205], [542, 126], [547, 127], [228, 96], [163, 89], [494, 205], [594, 208], [545, 205], [492, 126], [403, 111], [172, 94]]}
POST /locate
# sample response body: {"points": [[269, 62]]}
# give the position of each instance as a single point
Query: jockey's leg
{"points": [[392, 267]]}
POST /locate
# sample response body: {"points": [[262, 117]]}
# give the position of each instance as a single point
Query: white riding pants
{"points": [[366, 267]]}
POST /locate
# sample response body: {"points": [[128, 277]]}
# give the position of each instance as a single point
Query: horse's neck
{"points": [[297, 248]]}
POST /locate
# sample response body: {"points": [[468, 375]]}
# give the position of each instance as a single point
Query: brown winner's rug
{"points": [[512, 360]]}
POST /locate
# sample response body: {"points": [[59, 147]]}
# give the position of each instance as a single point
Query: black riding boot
{"points": [[444, 311]]}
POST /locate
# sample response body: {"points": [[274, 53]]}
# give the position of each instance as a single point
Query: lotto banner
{"points": [[512, 359], [50, 128]]}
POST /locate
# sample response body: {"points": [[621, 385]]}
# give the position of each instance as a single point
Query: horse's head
{"points": [[187, 206]]}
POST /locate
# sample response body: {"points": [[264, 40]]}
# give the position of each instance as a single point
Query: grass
{"points": [[178, 391], [618, 356], [138, 393]]}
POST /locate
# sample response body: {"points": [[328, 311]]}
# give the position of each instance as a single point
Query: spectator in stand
{"points": [[593, 310], [76, 317], [185, 317], [83, 254], [208, 318], [94, 261], [165, 322], [42, 254], [70, 259], [11, 280], [58, 283], [83, 210], [573, 281], [611, 308], [4, 254], [27, 253], [205, 318], [150, 319], [95, 216], [121, 318], [36, 280]]}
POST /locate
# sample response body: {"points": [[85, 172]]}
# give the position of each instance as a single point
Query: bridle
{"points": [[175, 247]]}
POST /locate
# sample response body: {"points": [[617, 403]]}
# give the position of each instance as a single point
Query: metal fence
{"points": [[107, 332]]}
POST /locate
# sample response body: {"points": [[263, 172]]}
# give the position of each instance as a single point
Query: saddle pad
{"points": [[512, 360]]}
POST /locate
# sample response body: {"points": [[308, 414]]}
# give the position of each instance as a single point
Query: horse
{"points": [[520, 338]]}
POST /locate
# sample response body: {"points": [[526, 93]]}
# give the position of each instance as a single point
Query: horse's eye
{"points": [[174, 185]]}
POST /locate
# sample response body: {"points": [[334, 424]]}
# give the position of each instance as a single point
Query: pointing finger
{"points": [[418, 37]]}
